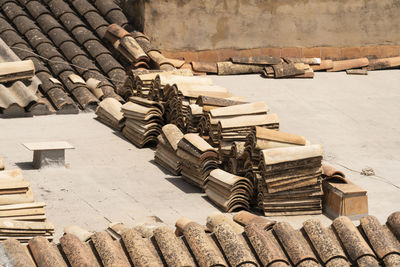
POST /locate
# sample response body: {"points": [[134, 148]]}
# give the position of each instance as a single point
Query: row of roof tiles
{"points": [[247, 240]]}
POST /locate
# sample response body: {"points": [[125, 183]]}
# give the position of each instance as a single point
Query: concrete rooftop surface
{"points": [[108, 179]]}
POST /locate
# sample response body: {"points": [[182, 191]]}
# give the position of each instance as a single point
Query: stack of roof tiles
{"points": [[247, 240], [109, 112], [167, 147], [198, 159], [63, 39], [262, 138], [192, 119], [184, 91], [228, 191], [20, 216], [127, 46], [290, 180], [19, 96], [146, 83], [143, 120], [234, 123], [234, 161]]}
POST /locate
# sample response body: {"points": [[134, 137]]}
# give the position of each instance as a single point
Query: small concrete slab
{"points": [[48, 153]]}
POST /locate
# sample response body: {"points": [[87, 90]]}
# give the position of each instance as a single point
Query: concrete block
{"points": [[48, 153]]}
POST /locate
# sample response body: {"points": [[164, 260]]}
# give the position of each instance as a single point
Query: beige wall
{"points": [[244, 24]]}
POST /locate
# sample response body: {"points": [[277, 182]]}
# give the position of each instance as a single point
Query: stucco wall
{"points": [[245, 24]]}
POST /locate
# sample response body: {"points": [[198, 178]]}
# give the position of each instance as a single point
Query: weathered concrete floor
{"points": [[355, 118]]}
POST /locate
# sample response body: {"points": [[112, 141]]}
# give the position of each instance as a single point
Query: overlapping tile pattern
{"points": [[64, 39], [247, 240], [17, 98]]}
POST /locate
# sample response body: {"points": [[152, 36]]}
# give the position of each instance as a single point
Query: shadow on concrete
{"points": [[25, 165], [183, 185], [151, 145], [165, 171], [206, 198], [120, 135]]}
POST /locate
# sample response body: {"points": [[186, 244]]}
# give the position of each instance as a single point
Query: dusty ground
{"points": [[355, 118]]}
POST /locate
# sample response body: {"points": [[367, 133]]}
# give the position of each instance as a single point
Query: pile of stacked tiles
{"points": [[19, 94], [143, 120], [290, 180], [192, 119], [244, 133], [228, 191], [209, 103], [50, 87], [198, 159], [233, 123], [127, 46], [109, 112], [135, 48], [143, 84], [20, 216], [166, 152], [184, 91], [234, 161], [247, 240], [261, 138]]}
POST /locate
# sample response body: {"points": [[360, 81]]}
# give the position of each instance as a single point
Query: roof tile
{"points": [[141, 250], [18, 252], [233, 246], [110, 252], [354, 243], [77, 252], [295, 245], [172, 248], [46, 253], [260, 240]]}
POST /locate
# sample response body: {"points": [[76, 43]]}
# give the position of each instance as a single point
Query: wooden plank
{"points": [[10, 224], [17, 198], [13, 185], [28, 218], [22, 231], [22, 212], [23, 238], [22, 206], [13, 191]]}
